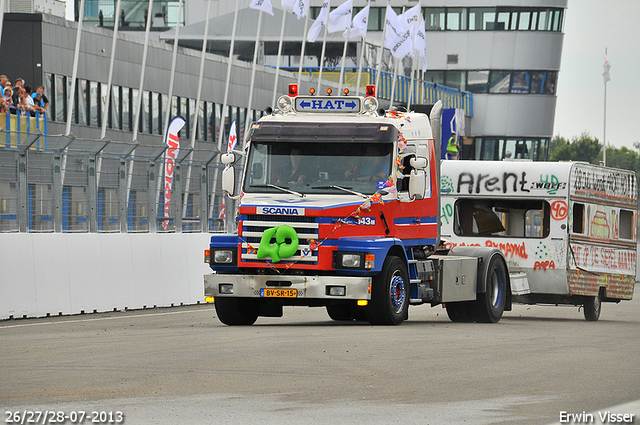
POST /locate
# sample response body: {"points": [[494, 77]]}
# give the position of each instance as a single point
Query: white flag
{"points": [[319, 23], [412, 15], [263, 5], [359, 24], [300, 8], [340, 18], [398, 39], [288, 4], [412, 19], [233, 139], [607, 67], [420, 43]]}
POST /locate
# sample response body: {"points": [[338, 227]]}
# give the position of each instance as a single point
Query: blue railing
{"points": [[18, 127]]}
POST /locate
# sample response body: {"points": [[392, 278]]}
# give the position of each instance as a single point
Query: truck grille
{"points": [[253, 226]]}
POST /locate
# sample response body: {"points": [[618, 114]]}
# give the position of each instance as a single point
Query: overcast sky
{"points": [[590, 27]]}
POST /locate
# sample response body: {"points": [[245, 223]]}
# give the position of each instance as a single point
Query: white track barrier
{"points": [[52, 274]]}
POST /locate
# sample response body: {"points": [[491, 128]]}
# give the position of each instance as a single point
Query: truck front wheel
{"points": [[389, 294], [490, 304], [236, 311]]}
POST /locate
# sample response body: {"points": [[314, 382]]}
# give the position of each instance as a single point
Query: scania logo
{"points": [[280, 210]]}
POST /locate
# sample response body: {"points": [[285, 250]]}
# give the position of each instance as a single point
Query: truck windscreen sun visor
{"points": [[325, 132]]}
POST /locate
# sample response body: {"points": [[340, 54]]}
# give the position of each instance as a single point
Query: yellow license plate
{"points": [[279, 293]]}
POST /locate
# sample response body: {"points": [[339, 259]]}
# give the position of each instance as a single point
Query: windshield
{"points": [[318, 168]]}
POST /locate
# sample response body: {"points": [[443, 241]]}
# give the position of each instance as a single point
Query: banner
{"points": [[359, 24], [607, 67], [233, 139], [263, 5], [170, 156]]}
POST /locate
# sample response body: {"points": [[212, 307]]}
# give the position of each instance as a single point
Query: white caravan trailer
{"points": [[567, 229]]}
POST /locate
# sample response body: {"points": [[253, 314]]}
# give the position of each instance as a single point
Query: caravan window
{"points": [[626, 224], [510, 218], [578, 218]]}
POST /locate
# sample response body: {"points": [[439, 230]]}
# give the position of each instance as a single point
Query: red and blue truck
{"points": [[339, 208]]}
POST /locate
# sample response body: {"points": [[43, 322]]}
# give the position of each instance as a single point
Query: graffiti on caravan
{"points": [[507, 182], [604, 182]]}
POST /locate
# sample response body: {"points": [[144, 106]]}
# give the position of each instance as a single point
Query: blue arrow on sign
{"points": [[305, 104], [351, 104]]}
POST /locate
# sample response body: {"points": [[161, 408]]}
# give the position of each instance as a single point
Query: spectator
{"points": [[7, 97], [26, 101], [3, 80], [16, 95], [40, 100]]}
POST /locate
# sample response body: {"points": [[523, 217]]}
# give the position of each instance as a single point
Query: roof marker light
{"points": [[329, 91], [371, 90], [345, 91], [312, 91], [293, 90]]}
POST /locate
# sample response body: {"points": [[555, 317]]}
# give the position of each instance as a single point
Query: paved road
{"points": [[181, 365]]}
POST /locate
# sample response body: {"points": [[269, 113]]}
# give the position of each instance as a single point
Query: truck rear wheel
{"points": [[236, 311], [592, 307], [389, 294], [490, 304]]}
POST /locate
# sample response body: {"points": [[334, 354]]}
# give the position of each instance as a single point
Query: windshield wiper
{"points": [[344, 189], [284, 189]]}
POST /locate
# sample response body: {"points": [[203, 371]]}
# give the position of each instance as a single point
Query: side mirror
{"points": [[227, 158], [417, 184], [418, 163], [229, 181]]}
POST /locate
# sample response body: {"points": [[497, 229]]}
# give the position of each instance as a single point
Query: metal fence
{"points": [[70, 185]]}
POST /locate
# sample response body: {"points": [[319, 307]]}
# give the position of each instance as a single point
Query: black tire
{"points": [[339, 312], [490, 304], [592, 307], [461, 312], [236, 311], [389, 294]]}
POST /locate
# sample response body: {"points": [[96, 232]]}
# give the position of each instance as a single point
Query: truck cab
{"points": [[339, 206]]}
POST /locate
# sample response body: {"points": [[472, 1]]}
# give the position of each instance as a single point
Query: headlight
{"points": [[285, 103], [223, 256], [370, 104], [351, 260]]}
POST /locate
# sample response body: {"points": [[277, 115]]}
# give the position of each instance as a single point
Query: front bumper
{"points": [[309, 287]]}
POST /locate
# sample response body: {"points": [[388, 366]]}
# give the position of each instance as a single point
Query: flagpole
{"points": [[167, 114], [344, 55], [223, 114], [247, 120], [196, 114], [604, 136], [393, 82], [136, 124], [304, 44], [379, 69], [280, 43], [105, 113], [324, 45], [360, 59]]}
